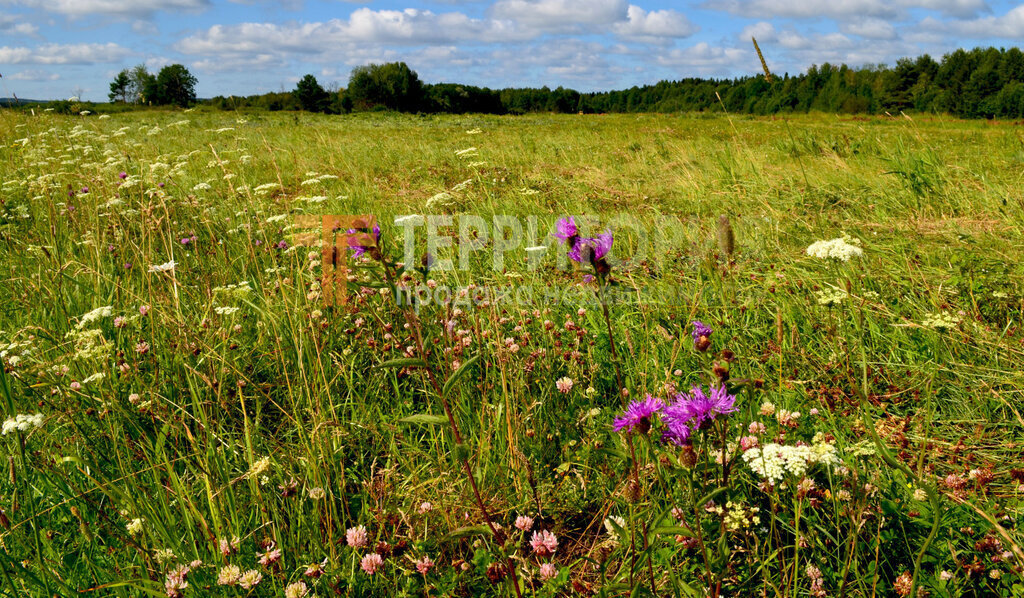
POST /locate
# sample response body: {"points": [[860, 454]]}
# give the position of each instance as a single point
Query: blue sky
{"points": [[57, 48]]}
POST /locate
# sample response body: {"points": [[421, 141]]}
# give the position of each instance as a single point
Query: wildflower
{"points": [[122, 175], [940, 321], [316, 493], [270, 556], [544, 543], [689, 412], [358, 250], [592, 249], [316, 569], [228, 546], [564, 384], [841, 249], [176, 581], [566, 231], [637, 416], [134, 526], [920, 495], [424, 565], [701, 335], [22, 423], [144, 310], [259, 467], [946, 575], [250, 579], [229, 575], [548, 571], [164, 556], [371, 563], [165, 267], [903, 584], [356, 536], [296, 590], [524, 523]]}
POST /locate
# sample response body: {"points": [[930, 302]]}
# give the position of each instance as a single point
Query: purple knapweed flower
{"points": [[354, 246], [701, 335], [591, 249], [638, 415], [689, 412], [565, 229], [85, 189]]}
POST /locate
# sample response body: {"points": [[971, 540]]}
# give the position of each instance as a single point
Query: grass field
{"points": [[186, 416]]}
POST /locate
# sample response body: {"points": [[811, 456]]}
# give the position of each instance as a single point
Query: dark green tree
{"points": [[393, 86], [174, 85], [311, 96], [119, 87]]}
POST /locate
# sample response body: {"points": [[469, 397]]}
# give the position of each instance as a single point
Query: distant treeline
{"points": [[978, 83]]}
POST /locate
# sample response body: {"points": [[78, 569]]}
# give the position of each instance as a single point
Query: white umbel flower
{"points": [[841, 249]]}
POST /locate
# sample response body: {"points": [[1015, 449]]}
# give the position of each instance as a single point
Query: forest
{"points": [[978, 83]]}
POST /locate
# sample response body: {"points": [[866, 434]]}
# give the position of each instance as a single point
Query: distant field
{"points": [[201, 408]]}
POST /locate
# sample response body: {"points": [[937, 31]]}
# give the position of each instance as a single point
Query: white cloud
{"points": [[10, 24], [64, 54], [839, 9], [1008, 26], [364, 26], [33, 75], [118, 8], [704, 58], [561, 15], [656, 23], [869, 28]]}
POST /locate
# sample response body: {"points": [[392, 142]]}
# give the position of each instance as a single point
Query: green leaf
{"points": [[469, 530], [405, 362], [672, 530], [425, 418], [450, 382]]}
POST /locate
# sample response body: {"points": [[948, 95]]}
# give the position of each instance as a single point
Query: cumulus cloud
{"points": [[55, 54], [705, 58], [11, 25], [840, 9], [1007, 26], [116, 8], [364, 26], [869, 28], [561, 15], [33, 75], [642, 24]]}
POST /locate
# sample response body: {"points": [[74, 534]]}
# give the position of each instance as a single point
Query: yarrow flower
{"points": [[544, 543], [774, 461], [841, 249], [637, 417], [22, 423]]}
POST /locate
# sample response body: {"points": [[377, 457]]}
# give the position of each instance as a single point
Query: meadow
{"points": [[822, 397]]}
